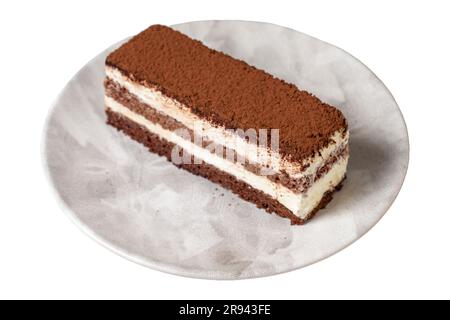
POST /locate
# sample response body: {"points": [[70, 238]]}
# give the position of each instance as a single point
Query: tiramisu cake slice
{"points": [[218, 117]]}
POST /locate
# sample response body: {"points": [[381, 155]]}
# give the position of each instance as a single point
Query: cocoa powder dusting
{"points": [[227, 91]]}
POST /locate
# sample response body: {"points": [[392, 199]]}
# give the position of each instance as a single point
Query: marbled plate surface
{"points": [[142, 207]]}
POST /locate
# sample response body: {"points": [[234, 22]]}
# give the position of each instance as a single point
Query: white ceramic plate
{"points": [[142, 207]]}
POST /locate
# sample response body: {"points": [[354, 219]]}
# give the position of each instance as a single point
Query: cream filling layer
{"points": [[220, 135], [299, 204]]}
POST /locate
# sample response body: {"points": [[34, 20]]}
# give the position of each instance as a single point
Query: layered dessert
{"points": [[266, 140]]}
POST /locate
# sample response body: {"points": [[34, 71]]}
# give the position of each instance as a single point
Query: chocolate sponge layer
{"points": [[242, 189], [133, 103]]}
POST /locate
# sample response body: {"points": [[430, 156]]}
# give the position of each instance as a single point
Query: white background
{"points": [[43, 44]]}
